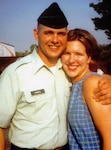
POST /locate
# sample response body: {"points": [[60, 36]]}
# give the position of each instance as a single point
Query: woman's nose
{"points": [[72, 58]]}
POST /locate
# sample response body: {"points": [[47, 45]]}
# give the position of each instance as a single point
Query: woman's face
{"points": [[75, 60]]}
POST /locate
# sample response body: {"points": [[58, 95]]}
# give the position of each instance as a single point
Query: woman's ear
{"points": [[89, 60], [35, 31]]}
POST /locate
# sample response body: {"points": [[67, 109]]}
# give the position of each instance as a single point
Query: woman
{"points": [[89, 122]]}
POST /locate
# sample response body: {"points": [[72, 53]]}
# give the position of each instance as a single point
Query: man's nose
{"points": [[55, 38]]}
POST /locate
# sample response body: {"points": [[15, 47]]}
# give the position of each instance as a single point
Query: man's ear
{"points": [[35, 34]]}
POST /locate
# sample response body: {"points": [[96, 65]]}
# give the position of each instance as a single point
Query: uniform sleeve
{"points": [[9, 96]]}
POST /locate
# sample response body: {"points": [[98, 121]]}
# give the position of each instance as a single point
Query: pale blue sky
{"points": [[18, 19]]}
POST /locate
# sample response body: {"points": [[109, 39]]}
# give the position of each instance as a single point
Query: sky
{"points": [[18, 18]]}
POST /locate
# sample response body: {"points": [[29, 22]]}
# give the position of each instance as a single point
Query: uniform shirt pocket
{"points": [[35, 95]]}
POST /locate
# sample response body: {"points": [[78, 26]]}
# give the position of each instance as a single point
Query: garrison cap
{"points": [[53, 17]]}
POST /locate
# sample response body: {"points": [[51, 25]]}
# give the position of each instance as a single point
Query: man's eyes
{"points": [[48, 32], [51, 33], [62, 34]]}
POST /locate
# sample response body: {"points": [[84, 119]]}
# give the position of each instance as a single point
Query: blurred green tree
{"points": [[103, 8]]}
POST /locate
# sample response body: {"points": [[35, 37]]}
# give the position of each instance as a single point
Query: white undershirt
{"points": [[53, 69]]}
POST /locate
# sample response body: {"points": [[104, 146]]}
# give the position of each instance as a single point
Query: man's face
{"points": [[51, 43]]}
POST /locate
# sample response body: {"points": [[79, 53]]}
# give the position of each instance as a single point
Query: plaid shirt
{"points": [[81, 130]]}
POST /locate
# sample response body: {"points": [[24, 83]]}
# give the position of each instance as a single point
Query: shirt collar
{"points": [[38, 63]]}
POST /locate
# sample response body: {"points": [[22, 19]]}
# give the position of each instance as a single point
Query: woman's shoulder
{"points": [[91, 80], [90, 84]]}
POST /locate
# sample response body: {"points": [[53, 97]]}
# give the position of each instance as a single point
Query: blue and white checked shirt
{"points": [[81, 130]]}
